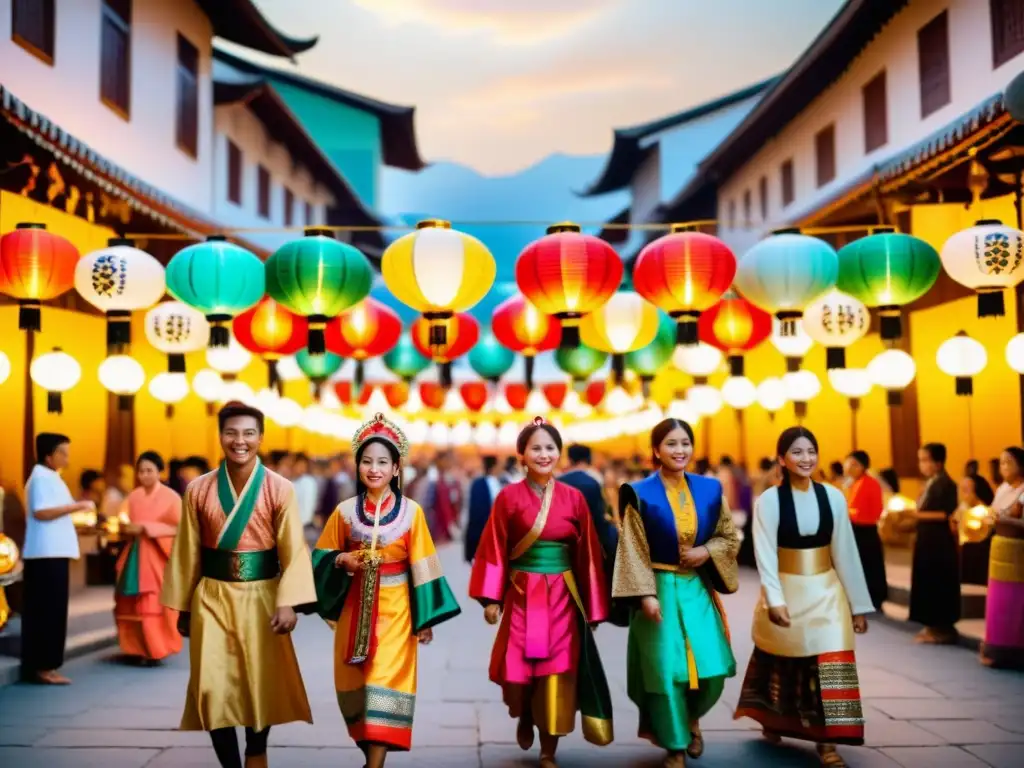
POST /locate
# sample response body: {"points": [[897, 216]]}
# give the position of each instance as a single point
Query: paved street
{"points": [[932, 707]]}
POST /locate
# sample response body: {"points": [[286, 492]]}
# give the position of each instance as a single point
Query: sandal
{"points": [[830, 757], [696, 748], [675, 760]]}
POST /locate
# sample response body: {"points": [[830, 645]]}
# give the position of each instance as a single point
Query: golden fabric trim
{"points": [[683, 510], [597, 731], [426, 570], [839, 677], [671, 568], [394, 579], [388, 707], [1006, 561], [364, 621], [691, 666], [843, 712], [537, 528], [723, 546], [805, 562], [820, 614], [633, 575], [551, 699]]}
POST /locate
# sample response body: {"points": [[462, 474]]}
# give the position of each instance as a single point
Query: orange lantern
{"points": [[474, 395], [734, 325], [369, 329], [343, 389], [517, 394], [461, 333], [35, 265], [432, 395], [555, 393], [396, 393], [521, 327], [272, 332]]}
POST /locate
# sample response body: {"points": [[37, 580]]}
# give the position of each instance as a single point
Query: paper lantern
{"points": [[704, 399], [474, 395], [1014, 356], [626, 323], [218, 278], [987, 258], [580, 362], [272, 332], [208, 385], [438, 271], [119, 280], [771, 394], [853, 383], [684, 273], [734, 325], [318, 368], [9, 555], [35, 266], [646, 362], [555, 392], [801, 386], [5, 367], [785, 272], [568, 275], [490, 360], [521, 327], [461, 334], [169, 388], [836, 320], [404, 360], [176, 329], [700, 361], [56, 372], [793, 347], [892, 370], [963, 358], [517, 395], [123, 376], [739, 392], [286, 412], [230, 360], [594, 393], [432, 395], [236, 390], [887, 269], [369, 329]]}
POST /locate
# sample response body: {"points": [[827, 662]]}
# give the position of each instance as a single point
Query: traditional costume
{"points": [[802, 680], [146, 629], [676, 669], [935, 570], [1004, 613], [540, 558], [236, 559], [377, 612], [865, 495]]}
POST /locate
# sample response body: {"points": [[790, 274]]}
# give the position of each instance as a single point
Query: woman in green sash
{"points": [[677, 548]]}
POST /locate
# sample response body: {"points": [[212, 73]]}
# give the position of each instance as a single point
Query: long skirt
{"points": [[872, 557], [1004, 611], [676, 669], [145, 629], [935, 577], [44, 617]]}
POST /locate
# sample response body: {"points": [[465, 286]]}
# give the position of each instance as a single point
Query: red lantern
{"points": [[521, 327], [683, 274], [432, 394], [270, 331], [594, 393], [462, 333], [556, 392], [734, 325], [517, 394], [568, 275], [343, 389], [35, 265], [396, 393], [369, 329], [474, 395]]}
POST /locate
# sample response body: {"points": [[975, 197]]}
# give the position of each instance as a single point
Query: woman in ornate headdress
{"points": [[677, 549], [379, 583], [539, 570]]}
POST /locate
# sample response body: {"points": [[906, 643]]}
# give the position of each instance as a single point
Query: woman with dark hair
{"points": [[976, 495], [865, 502], [539, 570], [146, 630], [379, 582], [1004, 614], [678, 547], [802, 678]]}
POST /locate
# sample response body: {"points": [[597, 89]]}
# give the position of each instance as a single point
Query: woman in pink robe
{"points": [[539, 569], [146, 630]]}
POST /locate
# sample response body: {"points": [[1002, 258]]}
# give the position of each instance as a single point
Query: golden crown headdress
{"points": [[381, 427]]}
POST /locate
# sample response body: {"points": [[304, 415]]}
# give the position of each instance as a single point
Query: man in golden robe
{"points": [[238, 569]]}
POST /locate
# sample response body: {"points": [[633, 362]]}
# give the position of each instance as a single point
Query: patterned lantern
{"points": [[318, 277], [272, 332], [580, 363], [568, 274], [646, 362], [369, 329], [56, 372], [118, 280], [35, 265], [404, 360], [684, 273], [439, 272], [836, 320], [988, 258], [490, 360], [474, 395], [887, 269], [521, 327], [624, 324], [176, 329], [461, 335], [734, 325], [785, 272], [318, 368], [218, 278]]}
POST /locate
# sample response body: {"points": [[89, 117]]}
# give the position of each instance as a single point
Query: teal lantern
{"points": [[888, 269], [318, 277], [404, 360], [580, 363], [218, 278], [490, 360], [318, 368], [646, 362]]}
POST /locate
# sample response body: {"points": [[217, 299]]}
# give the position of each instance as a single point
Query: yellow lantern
{"points": [[625, 324], [9, 555]]}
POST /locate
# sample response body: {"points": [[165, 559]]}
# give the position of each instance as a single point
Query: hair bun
{"points": [[538, 421]]}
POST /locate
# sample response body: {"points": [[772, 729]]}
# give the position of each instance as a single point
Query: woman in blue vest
{"points": [[677, 549]]}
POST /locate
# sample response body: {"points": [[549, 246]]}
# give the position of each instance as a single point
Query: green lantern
{"points": [[888, 269], [490, 360], [646, 362], [581, 363], [318, 277], [404, 360], [318, 368], [218, 278]]}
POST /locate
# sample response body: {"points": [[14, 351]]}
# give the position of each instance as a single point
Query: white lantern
{"points": [[56, 372], [853, 383], [286, 413], [169, 388], [230, 360], [118, 280], [508, 433], [617, 402], [836, 320], [5, 367], [704, 399], [176, 329], [237, 391], [892, 370], [699, 361], [123, 376], [771, 394], [682, 410], [794, 346], [1014, 354], [486, 435], [988, 258], [963, 358], [801, 386], [439, 436], [739, 392], [208, 385], [462, 434]]}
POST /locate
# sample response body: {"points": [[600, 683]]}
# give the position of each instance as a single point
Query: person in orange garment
{"points": [[864, 499]]}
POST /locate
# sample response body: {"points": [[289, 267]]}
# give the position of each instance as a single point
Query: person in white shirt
{"points": [[50, 544]]}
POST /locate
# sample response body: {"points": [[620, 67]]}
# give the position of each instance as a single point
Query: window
{"points": [[309, 214], [825, 154], [1007, 30], [747, 204], [876, 113], [933, 63], [32, 23], [263, 194], [786, 172], [289, 207], [763, 194], [234, 173], [188, 97], [732, 214], [116, 55]]}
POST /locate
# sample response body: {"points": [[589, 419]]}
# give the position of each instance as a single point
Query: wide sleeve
{"points": [[633, 576], [589, 566], [846, 558], [170, 516], [295, 587], [431, 597], [723, 546], [766, 546], [488, 579], [332, 583], [182, 572]]}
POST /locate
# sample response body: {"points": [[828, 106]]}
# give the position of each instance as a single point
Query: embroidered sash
{"points": [[363, 638], [128, 581], [238, 507]]}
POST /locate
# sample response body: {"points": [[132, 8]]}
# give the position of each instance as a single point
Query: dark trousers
{"points": [[44, 616], [225, 745]]}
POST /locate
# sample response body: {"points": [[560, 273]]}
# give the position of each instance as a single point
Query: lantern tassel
{"points": [[30, 316], [736, 367], [273, 377], [119, 331], [175, 363], [991, 303], [570, 336], [220, 336], [316, 340], [890, 324], [894, 398], [54, 403], [619, 368], [793, 364], [124, 402], [964, 386], [360, 375], [529, 372], [835, 358], [686, 332], [445, 375]]}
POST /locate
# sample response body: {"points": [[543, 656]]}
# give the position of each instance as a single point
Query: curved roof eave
{"points": [[241, 22]]}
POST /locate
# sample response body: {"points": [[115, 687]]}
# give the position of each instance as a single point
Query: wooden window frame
{"points": [[875, 99], [113, 17], [732, 214], [748, 208], [1004, 49], [762, 188], [825, 165], [309, 214], [264, 185], [186, 143], [787, 179], [938, 94], [49, 33], [235, 172], [289, 207]]}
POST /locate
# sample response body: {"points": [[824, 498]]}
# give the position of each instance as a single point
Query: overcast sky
{"points": [[500, 84]]}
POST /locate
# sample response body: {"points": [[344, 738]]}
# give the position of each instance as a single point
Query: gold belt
{"points": [[671, 568], [1006, 560], [805, 562]]}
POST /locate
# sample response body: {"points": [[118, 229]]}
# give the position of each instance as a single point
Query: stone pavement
{"points": [[926, 706]]}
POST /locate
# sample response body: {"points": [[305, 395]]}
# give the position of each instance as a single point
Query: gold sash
{"points": [[537, 528]]}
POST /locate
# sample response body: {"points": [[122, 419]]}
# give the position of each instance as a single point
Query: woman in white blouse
{"points": [[801, 681]]}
